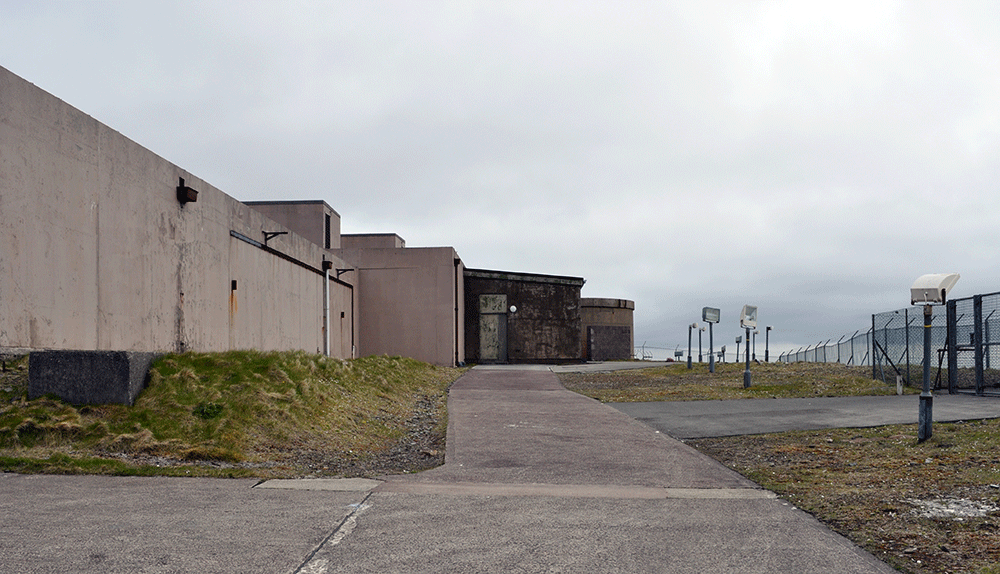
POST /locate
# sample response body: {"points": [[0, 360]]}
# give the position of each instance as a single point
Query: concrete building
{"points": [[411, 299], [521, 317], [106, 246]]}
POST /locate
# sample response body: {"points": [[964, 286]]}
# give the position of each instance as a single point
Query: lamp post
{"points": [[767, 341], [746, 371], [929, 290], [748, 319], [755, 332], [711, 351], [738, 341], [700, 331], [691, 326], [710, 315]]}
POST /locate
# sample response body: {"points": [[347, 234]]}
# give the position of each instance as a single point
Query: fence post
{"points": [[977, 341], [906, 323], [874, 374], [952, 339]]}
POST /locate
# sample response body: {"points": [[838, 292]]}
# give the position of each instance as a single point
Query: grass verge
{"points": [[769, 380], [239, 413]]}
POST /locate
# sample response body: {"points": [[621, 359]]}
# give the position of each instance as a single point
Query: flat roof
{"points": [[527, 277], [292, 202]]}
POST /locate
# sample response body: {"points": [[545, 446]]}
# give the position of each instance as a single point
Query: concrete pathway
{"points": [[537, 479]]}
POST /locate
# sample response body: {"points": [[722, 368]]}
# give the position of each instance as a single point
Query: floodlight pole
{"points": [[746, 373], [711, 351], [691, 326], [767, 342], [926, 398], [700, 331]]}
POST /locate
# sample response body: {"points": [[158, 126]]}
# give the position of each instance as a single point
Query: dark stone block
{"points": [[609, 343], [89, 377]]}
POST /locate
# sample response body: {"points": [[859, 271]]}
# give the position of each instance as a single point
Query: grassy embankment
{"points": [[241, 413]]}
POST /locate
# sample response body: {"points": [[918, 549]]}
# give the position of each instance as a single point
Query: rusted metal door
{"points": [[493, 328]]}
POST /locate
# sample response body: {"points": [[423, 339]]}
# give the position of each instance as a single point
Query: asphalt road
{"points": [[702, 419]]}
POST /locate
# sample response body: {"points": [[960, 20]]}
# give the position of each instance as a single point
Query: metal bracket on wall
{"points": [[269, 235]]}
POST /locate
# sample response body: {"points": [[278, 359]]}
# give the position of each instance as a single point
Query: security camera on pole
{"points": [[748, 320], [710, 315], [929, 290]]}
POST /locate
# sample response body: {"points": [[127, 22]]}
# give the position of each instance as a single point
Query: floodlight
{"points": [[748, 317], [710, 315], [929, 290], [933, 288]]}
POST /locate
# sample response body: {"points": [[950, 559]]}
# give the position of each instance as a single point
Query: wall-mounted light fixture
{"points": [[186, 194]]}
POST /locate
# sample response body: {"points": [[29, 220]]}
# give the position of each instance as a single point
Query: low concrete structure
{"points": [[607, 329], [88, 377]]}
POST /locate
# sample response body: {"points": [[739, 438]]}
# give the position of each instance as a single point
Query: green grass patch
{"points": [[232, 413], [768, 380]]}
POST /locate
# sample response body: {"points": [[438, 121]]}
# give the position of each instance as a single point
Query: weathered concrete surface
{"points": [[545, 328], [700, 419], [101, 525], [96, 252], [89, 377]]}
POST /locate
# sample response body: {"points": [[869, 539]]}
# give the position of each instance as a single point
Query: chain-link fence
{"points": [[965, 346], [899, 345], [974, 355], [853, 350]]}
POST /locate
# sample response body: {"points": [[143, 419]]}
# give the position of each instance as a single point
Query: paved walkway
{"points": [[537, 479]]}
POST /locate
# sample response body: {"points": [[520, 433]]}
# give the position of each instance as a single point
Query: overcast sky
{"points": [[812, 159]]}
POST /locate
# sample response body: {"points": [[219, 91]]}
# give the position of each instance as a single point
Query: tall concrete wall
{"points": [[96, 251], [411, 302]]}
